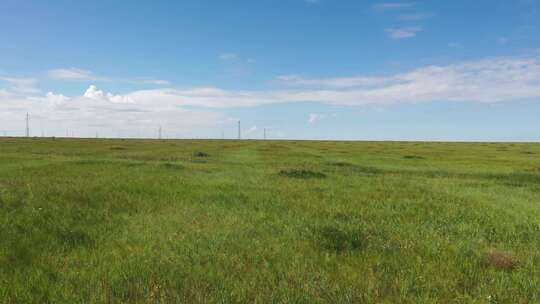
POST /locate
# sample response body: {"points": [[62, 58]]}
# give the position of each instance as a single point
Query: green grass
{"points": [[208, 221]]}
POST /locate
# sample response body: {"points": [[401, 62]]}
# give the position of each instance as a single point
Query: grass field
{"points": [[210, 221]]}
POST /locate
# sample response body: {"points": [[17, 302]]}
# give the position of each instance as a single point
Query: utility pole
{"points": [[159, 132], [27, 125], [239, 134], [264, 133]]}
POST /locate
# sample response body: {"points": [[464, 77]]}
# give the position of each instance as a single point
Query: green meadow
{"points": [[226, 221]]}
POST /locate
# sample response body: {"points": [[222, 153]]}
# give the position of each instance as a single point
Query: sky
{"points": [[456, 70]]}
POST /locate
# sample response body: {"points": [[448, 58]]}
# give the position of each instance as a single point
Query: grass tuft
{"points": [[413, 157], [301, 173], [500, 259], [339, 164], [200, 154], [341, 240], [172, 166], [117, 148]]}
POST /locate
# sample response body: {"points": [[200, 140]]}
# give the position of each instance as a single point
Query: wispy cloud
{"points": [[312, 1], [251, 130], [152, 81], [403, 32], [73, 74], [489, 80], [503, 40], [314, 117], [416, 16], [76, 74], [455, 45], [393, 5], [235, 58], [20, 85], [228, 56], [335, 83]]}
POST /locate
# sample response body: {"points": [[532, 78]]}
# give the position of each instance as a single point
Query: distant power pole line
{"points": [[27, 125], [159, 133], [264, 133], [239, 132]]}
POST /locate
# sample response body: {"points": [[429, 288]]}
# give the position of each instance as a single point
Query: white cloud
{"points": [[312, 1], [228, 56], [251, 130], [490, 80], [403, 32], [93, 93], [314, 117], [55, 99], [154, 81], [20, 85], [97, 111], [416, 16], [237, 60], [335, 83], [393, 5], [73, 74], [4, 93]]}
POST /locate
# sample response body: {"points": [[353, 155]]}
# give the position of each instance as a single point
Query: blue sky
{"points": [[317, 69]]}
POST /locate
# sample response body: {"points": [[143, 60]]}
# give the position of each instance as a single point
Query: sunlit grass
{"points": [[209, 221]]}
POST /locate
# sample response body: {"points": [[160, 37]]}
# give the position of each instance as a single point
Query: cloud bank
{"points": [[490, 80]]}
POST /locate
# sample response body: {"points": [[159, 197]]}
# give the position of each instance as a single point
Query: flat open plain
{"points": [[213, 221]]}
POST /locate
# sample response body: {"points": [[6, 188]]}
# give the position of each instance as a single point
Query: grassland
{"points": [[148, 221]]}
